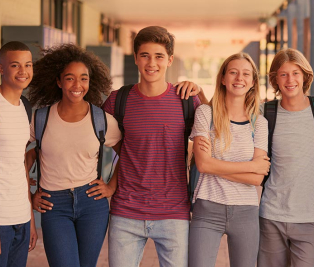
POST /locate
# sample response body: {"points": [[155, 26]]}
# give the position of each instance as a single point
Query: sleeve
{"points": [[202, 121], [113, 134], [196, 102], [32, 130], [261, 133], [109, 104]]}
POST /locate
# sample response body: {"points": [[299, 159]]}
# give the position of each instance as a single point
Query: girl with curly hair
{"points": [[73, 204], [230, 146]]}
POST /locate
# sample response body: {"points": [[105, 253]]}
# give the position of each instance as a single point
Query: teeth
{"points": [[21, 79], [150, 71], [290, 87], [238, 86], [76, 93]]}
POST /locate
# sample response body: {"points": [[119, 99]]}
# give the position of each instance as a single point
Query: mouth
{"points": [[151, 71], [21, 79], [77, 93], [240, 86], [291, 87]]}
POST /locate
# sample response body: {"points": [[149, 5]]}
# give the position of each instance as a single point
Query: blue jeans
{"points": [[14, 244], [75, 228], [127, 239], [211, 221]]}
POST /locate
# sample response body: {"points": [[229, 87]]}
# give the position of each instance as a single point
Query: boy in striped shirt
{"points": [[17, 227], [151, 199]]}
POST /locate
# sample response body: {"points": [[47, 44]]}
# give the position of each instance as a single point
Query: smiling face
{"points": [[152, 61], [238, 78], [16, 69], [74, 82], [290, 80]]}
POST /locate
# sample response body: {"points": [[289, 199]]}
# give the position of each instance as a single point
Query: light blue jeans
{"points": [[127, 239]]}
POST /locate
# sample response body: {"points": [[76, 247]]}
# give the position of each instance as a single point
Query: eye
{"points": [[233, 72], [85, 79], [29, 65], [69, 79], [246, 74], [283, 75], [14, 65], [160, 57]]}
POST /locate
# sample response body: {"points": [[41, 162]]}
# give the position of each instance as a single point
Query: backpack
{"points": [[99, 123], [27, 107], [188, 113], [270, 113]]}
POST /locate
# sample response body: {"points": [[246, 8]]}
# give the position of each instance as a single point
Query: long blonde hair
{"points": [[218, 103]]}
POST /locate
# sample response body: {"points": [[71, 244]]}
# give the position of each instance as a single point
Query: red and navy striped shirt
{"points": [[152, 182]]}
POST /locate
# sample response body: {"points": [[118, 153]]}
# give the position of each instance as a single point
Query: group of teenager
{"points": [[148, 189]]}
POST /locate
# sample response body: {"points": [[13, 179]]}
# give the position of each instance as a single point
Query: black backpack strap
{"points": [[120, 104], [28, 108], [270, 113], [311, 98], [99, 122], [188, 113], [40, 123]]}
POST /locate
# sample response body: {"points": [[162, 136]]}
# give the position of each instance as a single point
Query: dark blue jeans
{"points": [[75, 228], [14, 244]]}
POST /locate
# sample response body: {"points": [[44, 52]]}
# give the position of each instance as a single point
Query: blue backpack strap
{"points": [[253, 120], [120, 104], [99, 122], [270, 113], [28, 108], [40, 123]]}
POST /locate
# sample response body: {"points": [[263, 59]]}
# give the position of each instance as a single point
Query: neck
{"points": [[236, 109], [295, 103], [11, 95], [152, 89]]}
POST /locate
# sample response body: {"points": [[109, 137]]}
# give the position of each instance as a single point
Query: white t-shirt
{"points": [[217, 189], [14, 134]]}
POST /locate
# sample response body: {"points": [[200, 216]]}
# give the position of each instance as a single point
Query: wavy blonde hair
{"points": [[218, 103]]}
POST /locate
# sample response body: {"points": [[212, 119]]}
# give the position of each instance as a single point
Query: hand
{"points": [[101, 189], [205, 145], [32, 181], [261, 165], [39, 204], [187, 89], [33, 237]]}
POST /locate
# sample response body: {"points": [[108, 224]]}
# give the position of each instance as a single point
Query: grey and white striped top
{"points": [[214, 188]]}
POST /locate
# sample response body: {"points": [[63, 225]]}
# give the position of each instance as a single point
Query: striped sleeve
{"points": [[261, 134], [202, 121]]}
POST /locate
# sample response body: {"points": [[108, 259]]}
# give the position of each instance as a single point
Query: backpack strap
{"points": [[311, 98], [188, 113], [99, 122], [270, 113], [28, 108], [120, 104], [40, 123]]}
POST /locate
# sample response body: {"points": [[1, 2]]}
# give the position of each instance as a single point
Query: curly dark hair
{"points": [[44, 91]]}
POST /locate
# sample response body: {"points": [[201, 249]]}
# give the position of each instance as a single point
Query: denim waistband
{"points": [[74, 189]]}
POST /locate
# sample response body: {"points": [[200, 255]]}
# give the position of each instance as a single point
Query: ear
{"points": [[59, 83], [223, 80], [170, 60], [135, 58]]}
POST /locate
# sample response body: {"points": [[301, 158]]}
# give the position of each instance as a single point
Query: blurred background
{"points": [[206, 32]]}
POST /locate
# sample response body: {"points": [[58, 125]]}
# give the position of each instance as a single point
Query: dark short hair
{"points": [[13, 46], [155, 34]]}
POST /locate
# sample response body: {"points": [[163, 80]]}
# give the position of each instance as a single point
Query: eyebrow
{"points": [[237, 69], [19, 62], [158, 54], [71, 74]]}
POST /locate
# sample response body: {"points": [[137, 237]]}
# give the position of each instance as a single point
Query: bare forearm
{"points": [[245, 178], [113, 183], [202, 97]]}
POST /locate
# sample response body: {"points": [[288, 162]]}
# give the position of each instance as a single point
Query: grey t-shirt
{"points": [[289, 191]]}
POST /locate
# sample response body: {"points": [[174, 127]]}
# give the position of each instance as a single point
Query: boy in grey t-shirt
{"points": [[287, 210]]}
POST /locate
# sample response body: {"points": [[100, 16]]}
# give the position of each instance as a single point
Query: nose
{"points": [[290, 78], [239, 77], [22, 70], [151, 61]]}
